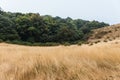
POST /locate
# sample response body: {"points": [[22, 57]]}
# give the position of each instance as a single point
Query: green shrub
{"points": [[66, 44], [50, 44], [80, 43], [86, 42], [1, 40]]}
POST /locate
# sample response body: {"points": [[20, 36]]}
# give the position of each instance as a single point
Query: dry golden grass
{"points": [[97, 62], [106, 33]]}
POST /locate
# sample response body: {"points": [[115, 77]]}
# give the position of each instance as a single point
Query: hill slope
{"points": [[105, 34]]}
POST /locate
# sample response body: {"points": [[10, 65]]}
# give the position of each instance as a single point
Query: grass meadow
{"points": [[97, 62]]}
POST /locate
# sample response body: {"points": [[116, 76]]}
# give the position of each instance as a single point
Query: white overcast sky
{"points": [[101, 10]]}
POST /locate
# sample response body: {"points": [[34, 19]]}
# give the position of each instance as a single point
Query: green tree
{"points": [[7, 29]]}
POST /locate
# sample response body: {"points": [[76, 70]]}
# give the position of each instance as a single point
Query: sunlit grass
{"points": [[97, 62]]}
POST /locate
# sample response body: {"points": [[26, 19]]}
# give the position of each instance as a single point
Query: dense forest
{"points": [[31, 28]]}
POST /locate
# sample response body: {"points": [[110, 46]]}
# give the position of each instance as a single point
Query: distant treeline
{"points": [[34, 28]]}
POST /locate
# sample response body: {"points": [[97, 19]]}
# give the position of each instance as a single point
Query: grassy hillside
{"points": [[105, 34], [97, 62]]}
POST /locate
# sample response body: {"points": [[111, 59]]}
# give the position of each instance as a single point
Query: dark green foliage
{"points": [[1, 40], [33, 29], [7, 29]]}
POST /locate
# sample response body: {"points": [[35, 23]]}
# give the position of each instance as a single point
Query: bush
{"points": [[86, 42], [80, 43], [1, 40], [8, 41], [20, 42], [66, 44], [49, 44]]}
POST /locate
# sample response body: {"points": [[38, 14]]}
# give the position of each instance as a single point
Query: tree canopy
{"points": [[32, 27]]}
